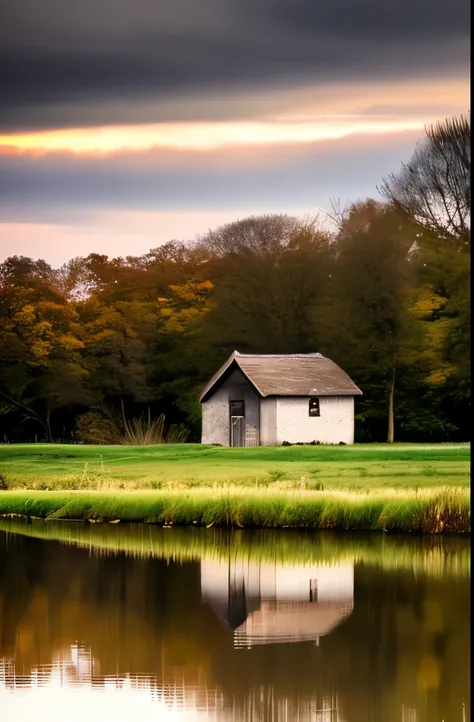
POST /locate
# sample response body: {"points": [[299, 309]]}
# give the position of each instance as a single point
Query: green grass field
{"points": [[403, 488], [358, 467]]}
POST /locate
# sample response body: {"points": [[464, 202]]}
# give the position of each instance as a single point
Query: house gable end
{"points": [[222, 376]]}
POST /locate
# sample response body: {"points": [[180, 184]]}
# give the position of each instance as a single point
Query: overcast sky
{"points": [[126, 124]]}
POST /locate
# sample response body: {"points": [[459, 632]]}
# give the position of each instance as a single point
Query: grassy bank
{"points": [[406, 488], [437, 556], [351, 468], [425, 511]]}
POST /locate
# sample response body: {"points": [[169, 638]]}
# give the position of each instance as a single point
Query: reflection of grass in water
{"points": [[437, 556], [423, 511]]}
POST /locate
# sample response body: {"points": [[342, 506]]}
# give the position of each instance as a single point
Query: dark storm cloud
{"points": [[72, 57], [364, 20]]}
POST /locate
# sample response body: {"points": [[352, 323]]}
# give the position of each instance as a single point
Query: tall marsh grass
{"points": [[426, 512]]}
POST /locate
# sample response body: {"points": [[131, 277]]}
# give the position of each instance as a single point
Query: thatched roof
{"points": [[288, 375]]}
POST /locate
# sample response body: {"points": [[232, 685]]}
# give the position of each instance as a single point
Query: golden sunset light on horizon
{"points": [[201, 136]]}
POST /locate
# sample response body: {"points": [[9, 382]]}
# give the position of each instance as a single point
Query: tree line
{"points": [[384, 292]]}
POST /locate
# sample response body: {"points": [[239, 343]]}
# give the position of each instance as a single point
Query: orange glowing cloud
{"points": [[202, 136], [291, 116]]}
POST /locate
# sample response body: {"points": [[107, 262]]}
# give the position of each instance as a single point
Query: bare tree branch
{"points": [[434, 187], [34, 416]]}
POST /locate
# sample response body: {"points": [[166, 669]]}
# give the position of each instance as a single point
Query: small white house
{"points": [[264, 400]]}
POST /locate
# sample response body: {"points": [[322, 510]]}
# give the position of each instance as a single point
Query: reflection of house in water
{"points": [[264, 603]]}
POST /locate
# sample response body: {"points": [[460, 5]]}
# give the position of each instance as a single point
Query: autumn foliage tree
{"points": [[362, 326], [181, 360], [268, 273], [41, 363]]}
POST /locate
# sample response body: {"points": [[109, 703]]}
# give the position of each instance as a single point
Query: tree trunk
{"points": [[48, 426], [391, 425]]}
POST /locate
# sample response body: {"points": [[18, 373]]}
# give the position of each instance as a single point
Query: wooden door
{"points": [[237, 423]]}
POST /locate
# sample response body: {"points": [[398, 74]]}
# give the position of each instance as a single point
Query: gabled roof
{"points": [[289, 375]]}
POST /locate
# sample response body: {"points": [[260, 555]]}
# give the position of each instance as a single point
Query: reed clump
{"points": [[146, 431], [93, 428], [445, 511]]}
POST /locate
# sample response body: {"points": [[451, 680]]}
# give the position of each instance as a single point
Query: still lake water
{"points": [[115, 622]]}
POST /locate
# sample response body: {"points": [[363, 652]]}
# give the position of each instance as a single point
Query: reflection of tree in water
{"points": [[405, 643], [137, 613]]}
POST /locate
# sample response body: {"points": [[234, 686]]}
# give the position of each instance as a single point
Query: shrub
{"points": [[93, 428]]}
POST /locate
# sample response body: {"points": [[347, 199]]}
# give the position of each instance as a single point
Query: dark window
{"points": [[314, 407], [313, 590], [237, 408]]}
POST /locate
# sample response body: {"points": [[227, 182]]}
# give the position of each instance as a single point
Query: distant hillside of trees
{"points": [[385, 295]]}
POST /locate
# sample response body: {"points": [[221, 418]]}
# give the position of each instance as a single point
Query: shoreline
{"points": [[423, 512]]}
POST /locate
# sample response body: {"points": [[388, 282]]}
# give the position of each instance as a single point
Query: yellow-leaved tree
{"points": [[181, 353]]}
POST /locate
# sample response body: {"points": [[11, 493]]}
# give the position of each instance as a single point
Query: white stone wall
{"points": [[215, 418], [335, 423], [268, 421]]}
